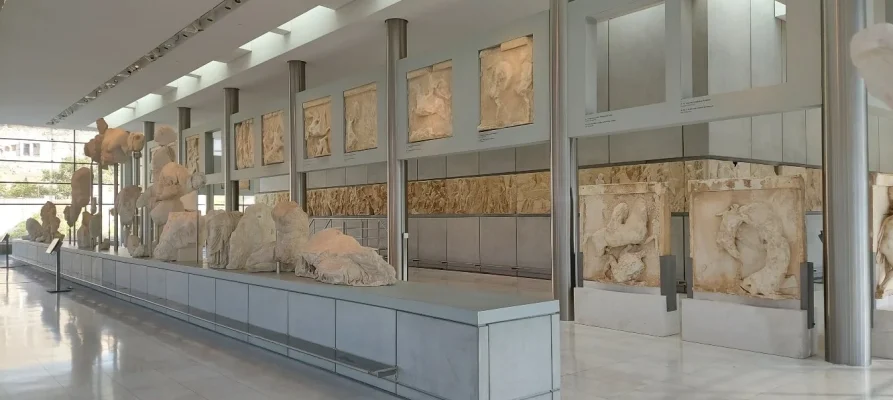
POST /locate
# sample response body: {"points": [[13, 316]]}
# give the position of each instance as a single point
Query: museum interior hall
{"points": [[446, 199]]}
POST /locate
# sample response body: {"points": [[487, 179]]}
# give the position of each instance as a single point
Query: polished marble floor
{"points": [[85, 345]]}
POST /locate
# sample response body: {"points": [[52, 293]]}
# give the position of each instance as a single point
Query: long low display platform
{"points": [[417, 340]]}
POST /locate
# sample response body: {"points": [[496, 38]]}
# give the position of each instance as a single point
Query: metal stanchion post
{"points": [[56, 247], [8, 250]]}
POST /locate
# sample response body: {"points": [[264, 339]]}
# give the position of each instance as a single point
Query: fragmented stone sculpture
{"points": [[245, 144], [220, 227], [85, 241], [163, 196], [252, 244], [179, 239], [318, 127], [165, 135], [431, 102], [192, 154], [34, 229], [881, 217], [292, 233], [51, 222], [625, 231], [112, 146], [361, 118], [507, 84], [872, 53], [272, 132], [748, 236], [336, 258], [125, 204], [81, 192]]}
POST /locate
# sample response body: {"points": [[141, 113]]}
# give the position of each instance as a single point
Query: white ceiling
{"points": [[45, 70]]}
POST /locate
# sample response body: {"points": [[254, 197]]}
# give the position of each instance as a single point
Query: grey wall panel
{"points": [[813, 244], [648, 145], [636, 60], [412, 169], [122, 279], [730, 138], [273, 184], [431, 168], [356, 229], [767, 47], [534, 242], [519, 374], [232, 304], [108, 271], [378, 327], [497, 161], [677, 226], [177, 292], [499, 241], [432, 239], [312, 318], [768, 138], [356, 175], [316, 179], [814, 136], [696, 140], [874, 161], [463, 240], [157, 284], [593, 150], [336, 177], [795, 137], [139, 280], [202, 294], [532, 158], [413, 238], [462, 165], [728, 46], [885, 141], [377, 173], [419, 361], [268, 310]]}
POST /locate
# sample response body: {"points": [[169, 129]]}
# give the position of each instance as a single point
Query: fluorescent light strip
{"points": [[195, 27]]}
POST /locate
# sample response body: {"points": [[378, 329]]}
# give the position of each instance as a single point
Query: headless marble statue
{"points": [[51, 222], [253, 242], [220, 228], [292, 233], [339, 259]]}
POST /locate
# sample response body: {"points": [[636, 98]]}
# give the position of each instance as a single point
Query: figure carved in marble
{"points": [[272, 136], [292, 233], [335, 258], [245, 144], [318, 127], [180, 233], [507, 84], [431, 102], [252, 244], [84, 239], [125, 209], [81, 191], [51, 222], [361, 118], [882, 232], [34, 229], [220, 228], [112, 146], [192, 154], [163, 197]]}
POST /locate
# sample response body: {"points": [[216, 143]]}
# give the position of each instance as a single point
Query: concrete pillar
{"points": [[230, 188], [397, 225], [297, 82]]}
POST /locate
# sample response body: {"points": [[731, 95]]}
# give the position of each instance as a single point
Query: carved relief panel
{"points": [[192, 154], [882, 232], [318, 127], [361, 118], [748, 236], [272, 130], [431, 102], [507, 84], [245, 144], [625, 229]]}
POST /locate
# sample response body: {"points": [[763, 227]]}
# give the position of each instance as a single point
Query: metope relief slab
{"points": [[272, 130], [431, 102], [192, 154], [625, 230], [361, 118], [318, 127], [881, 218], [245, 144], [748, 236], [506, 73]]}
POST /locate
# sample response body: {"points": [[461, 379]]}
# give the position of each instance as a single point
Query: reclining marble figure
{"points": [[253, 242], [51, 222], [112, 146], [336, 258], [292, 233], [220, 227]]}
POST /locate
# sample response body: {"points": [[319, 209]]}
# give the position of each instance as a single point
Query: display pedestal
{"points": [[882, 331], [782, 332], [188, 254], [643, 313]]}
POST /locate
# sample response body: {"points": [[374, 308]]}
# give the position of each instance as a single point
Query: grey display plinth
{"points": [[417, 340], [882, 331]]}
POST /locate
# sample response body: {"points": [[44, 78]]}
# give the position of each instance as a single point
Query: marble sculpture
{"points": [[335, 258], [507, 84], [747, 236], [192, 154], [84, 239], [252, 244], [220, 227], [625, 231], [431, 102], [180, 234], [112, 146], [361, 118], [318, 127], [34, 229], [881, 218], [163, 197], [272, 136], [245, 144], [125, 208], [51, 222], [81, 192], [292, 233]]}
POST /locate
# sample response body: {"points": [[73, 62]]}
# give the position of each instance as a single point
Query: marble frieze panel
{"points": [[192, 154], [481, 195], [318, 127], [272, 136], [361, 118], [272, 199], [534, 193], [506, 73], [426, 197], [748, 236], [431, 102], [625, 229], [245, 144]]}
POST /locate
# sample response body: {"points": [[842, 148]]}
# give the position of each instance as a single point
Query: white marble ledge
{"points": [[470, 307]]}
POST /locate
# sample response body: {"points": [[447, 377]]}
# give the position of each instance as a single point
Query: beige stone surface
{"points": [[507, 84], [881, 217], [271, 199], [624, 232], [245, 184], [192, 155], [534, 193], [748, 236], [335, 258], [245, 144], [361, 118], [431, 102], [426, 197], [481, 195], [272, 130], [318, 127], [595, 176]]}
